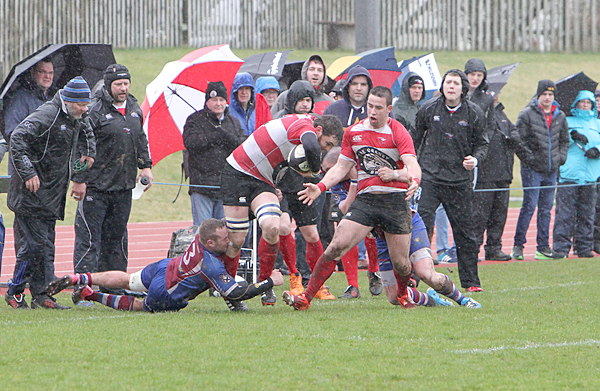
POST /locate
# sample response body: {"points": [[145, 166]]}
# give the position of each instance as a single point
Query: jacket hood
{"points": [[477, 65], [464, 81], [242, 79], [267, 82], [405, 92], [584, 94], [300, 89], [316, 58], [356, 71]]}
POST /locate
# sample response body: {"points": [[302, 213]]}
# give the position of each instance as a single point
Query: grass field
{"points": [[146, 64], [537, 330]]}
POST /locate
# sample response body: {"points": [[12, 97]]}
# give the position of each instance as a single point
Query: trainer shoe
{"points": [[296, 286], [545, 253], [375, 285], [268, 298], [80, 293], [299, 302], [444, 257], [469, 303], [517, 253], [474, 289], [45, 301], [350, 293], [58, 285], [324, 294], [585, 254], [497, 256], [236, 305], [16, 301], [437, 299]]}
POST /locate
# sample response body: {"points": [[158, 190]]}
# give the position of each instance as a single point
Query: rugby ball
{"points": [[297, 159]]}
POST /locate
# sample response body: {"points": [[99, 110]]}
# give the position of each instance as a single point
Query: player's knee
{"points": [[311, 236], [334, 251]]}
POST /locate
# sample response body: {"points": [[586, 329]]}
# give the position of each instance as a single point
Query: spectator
{"points": [[268, 86], [597, 96], [353, 109], [477, 75], [241, 101], [541, 141], [209, 136], [314, 72], [121, 148], [41, 149], [451, 132], [298, 100], [336, 91], [575, 205], [412, 93], [490, 208]]}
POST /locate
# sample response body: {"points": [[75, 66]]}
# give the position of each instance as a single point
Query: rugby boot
{"points": [[45, 301], [375, 285], [296, 286], [324, 294], [268, 298], [16, 301], [299, 303], [350, 293]]}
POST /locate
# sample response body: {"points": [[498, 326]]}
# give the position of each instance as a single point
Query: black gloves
{"points": [[576, 136], [592, 153]]}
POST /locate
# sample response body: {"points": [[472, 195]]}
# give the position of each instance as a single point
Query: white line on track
{"points": [[528, 346]]}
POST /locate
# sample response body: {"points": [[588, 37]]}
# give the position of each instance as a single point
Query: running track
{"points": [[149, 242]]}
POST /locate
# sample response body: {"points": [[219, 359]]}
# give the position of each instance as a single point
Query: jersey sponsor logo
{"points": [[348, 214], [226, 278], [372, 159], [26, 161], [242, 199], [382, 139], [89, 198], [135, 115], [63, 127], [28, 125], [109, 116], [357, 138], [449, 136], [436, 118], [127, 130], [463, 123]]}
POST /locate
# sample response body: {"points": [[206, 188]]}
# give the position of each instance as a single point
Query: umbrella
{"points": [[77, 59], [292, 71], [568, 87], [424, 66], [266, 64], [498, 77], [381, 64], [178, 91]]}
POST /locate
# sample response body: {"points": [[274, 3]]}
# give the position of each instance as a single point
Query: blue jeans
{"points": [[442, 232], [543, 199], [204, 207]]}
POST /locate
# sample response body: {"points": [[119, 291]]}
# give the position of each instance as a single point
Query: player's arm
{"points": [[312, 150], [352, 190], [333, 177], [246, 291], [413, 171]]}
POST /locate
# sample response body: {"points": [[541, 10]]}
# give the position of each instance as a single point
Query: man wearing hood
{"points": [[406, 107], [298, 100], [241, 101], [269, 87], [121, 149], [575, 205], [477, 74], [45, 149], [352, 108], [541, 142], [314, 72], [450, 133], [210, 135]]}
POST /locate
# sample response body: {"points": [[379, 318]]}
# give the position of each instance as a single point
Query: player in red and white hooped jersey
{"points": [[247, 181], [379, 147]]}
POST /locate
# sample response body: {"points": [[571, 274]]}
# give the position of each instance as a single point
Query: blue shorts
{"points": [[418, 240]]}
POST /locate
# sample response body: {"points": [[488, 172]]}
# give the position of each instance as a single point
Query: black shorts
{"points": [[390, 212], [302, 213], [239, 189]]}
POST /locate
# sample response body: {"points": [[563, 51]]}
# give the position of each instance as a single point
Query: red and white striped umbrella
{"points": [[178, 91]]}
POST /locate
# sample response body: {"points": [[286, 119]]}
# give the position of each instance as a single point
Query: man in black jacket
{"points": [[450, 133], [210, 135], [122, 148], [490, 208], [46, 148], [541, 142]]}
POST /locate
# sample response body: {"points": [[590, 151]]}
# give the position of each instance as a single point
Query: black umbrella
{"points": [[498, 77], [568, 87], [78, 59], [266, 64]]}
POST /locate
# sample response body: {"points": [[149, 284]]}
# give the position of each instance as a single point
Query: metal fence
{"points": [[488, 25]]}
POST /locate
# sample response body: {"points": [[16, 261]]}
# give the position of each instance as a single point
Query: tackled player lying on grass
{"points": [[172, 282]]}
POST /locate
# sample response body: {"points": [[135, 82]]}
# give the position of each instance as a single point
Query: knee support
{"points": [[135, 282], [267, 210], [421, 253]]}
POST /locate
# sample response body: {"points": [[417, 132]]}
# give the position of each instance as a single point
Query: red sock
{"points": [[418, 297], [267, 253], [350, 262], [402, 283], [288, 252], [231, 264], [117, 302], [313, 253], [371, 245], [322, 271]]}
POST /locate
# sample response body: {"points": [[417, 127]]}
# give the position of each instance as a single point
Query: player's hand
{"points": [[469, 163], [89, 160], [78, 191], [277, 277], [147, 172], [309, 194], [386, 174], [413, 186], [33, 184], [279, 194]]}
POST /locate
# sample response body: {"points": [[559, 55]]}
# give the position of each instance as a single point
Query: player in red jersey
{"points": [[378, 146], [247, 181]]}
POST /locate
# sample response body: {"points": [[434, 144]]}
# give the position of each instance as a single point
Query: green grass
{"points": [[537, 330], [146, 64]]}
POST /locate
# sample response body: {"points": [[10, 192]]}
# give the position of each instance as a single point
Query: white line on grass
{"points": [[13, 323], [529, 346], [533, 288]]}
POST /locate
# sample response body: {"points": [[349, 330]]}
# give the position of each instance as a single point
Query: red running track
{"points": [[149, 242]]}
